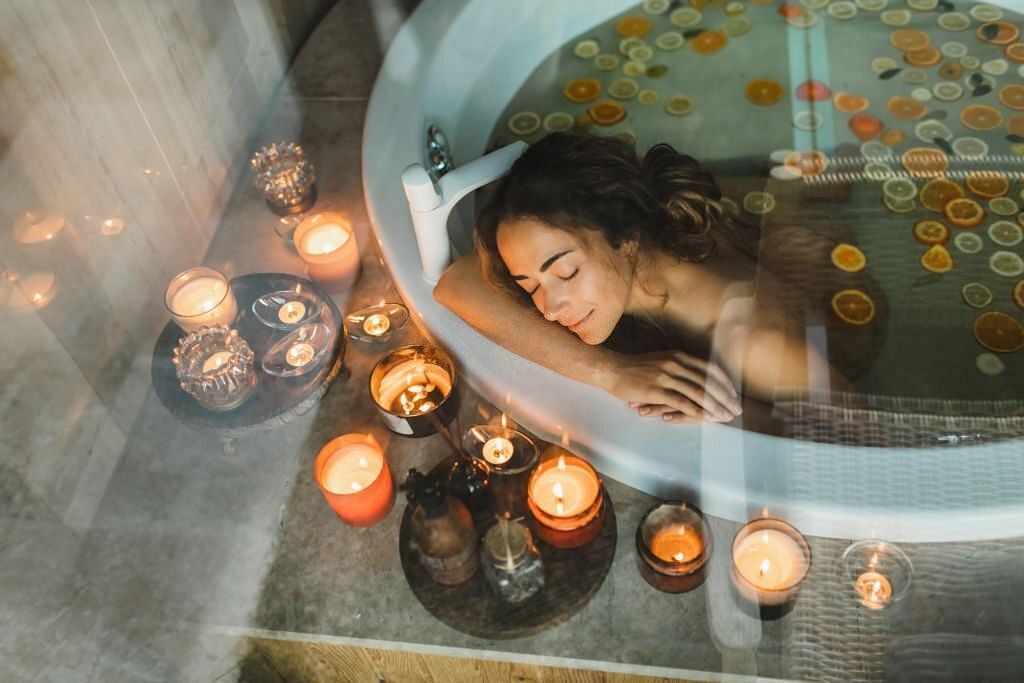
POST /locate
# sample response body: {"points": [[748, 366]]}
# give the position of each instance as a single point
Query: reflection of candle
{"points": [[327, 245], [32, 227], [498, 450], [299, 354], [200, 297], [214, 362], [875, 590], [354, 477], [769, 561], [291, 312], [376, 324], [111, 226]]}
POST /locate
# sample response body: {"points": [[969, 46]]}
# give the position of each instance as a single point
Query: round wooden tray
{"points": [[276, 401], [571, 578]]}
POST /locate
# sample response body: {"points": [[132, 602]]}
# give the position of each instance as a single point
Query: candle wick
{"points": [[765, 567]]}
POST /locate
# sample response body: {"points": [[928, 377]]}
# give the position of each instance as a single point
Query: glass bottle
{"points": [[511, 561], [442, 532]]}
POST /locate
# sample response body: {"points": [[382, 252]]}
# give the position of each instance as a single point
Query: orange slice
{"points": [[906, 108], [764, 91], [981, 117], [928, 56], [1015, 125], [951, 71], [848, 258], [925, 162], [892, 137], [964, 212], [1015, 52], [813, 91], [1005, 33], [633, 27], [987, 184], [853, 307], [865, 126], [606, 112], [1012, 96], [1018, 293], [998, 332], [810, 163], [909, 39], [582, 90], [791, 11], [850, 103], [929, 232], [938, 192], [937, 259], [708, 42]]}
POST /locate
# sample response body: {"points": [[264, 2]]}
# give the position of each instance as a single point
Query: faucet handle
{"points": [[420, 190]]}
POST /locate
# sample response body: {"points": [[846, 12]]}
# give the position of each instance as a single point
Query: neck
{"points": [[657, 283]]}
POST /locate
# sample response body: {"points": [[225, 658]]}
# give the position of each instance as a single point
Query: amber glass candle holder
{"points": [[673, 544], [414, 390], [770, 560], [284, 177], [566, 499], [215, 366]]}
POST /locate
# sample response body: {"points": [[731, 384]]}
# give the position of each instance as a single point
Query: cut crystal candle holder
{"points": [[285, 178], [215, 366]]}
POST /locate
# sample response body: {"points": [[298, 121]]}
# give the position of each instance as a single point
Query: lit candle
{"points": [[874, 589], [214, 362], [111, 226], [498, 451], [414, 387], [32, 227], [414, 390], [677, 545], [769, 560], [327, 245], [564, 495], [299, 354], [291, 312], [200, 297], [673, 545], [355, 479], [376, 324]]}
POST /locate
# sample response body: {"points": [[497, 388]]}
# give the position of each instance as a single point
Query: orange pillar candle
{"points": [[354, 476], [327, 245], [673, 543], [566, 499]]}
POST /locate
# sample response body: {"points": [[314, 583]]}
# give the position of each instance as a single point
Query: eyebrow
{"points": [[547, 264]]}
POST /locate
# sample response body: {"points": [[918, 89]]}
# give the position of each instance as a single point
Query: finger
{"points": [[710, 369], [675, 400], [675, 417], [704, 392], [702, 398], [652, 409]]}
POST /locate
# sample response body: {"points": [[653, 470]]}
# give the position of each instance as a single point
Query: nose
{"points": [[554, 304]]}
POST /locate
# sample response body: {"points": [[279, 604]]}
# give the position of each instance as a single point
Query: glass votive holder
{"points": [[354, 476], [673, 544], [288, 309], [284, 177], [326, 243], [879, 573], [200, 297], [510, 456], [566, 499], [301, 351], [215, 366], [377, 322], [512, 564], [414, 390], [770, 560]]}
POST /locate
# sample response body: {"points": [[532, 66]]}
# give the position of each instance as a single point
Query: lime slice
{"points": [[735, 7], [758, 203], [931, 129], [896, 17], [679, 105], [656, 6], [995, 67], [1006, 263], [808, 120], [976, 294], [872, 5], [606, 62], [899, 205], [627, 44], [954, 49], [842, 10], [954, 21], [970, 62], [989, 364], [923, 5], [986, 13], [921, 94], [524, 123], [882, 64], [586, 49], [968, 242], [1005, 233], [899, 189], [558, 122], [873, 149], [640, 53], [736, 26], [806, 20], [785, 172], [634, 68], [814, 4], [685, 17], [947, 91], [1003, 206], [670, 41], [970, 147], [623, 89], [648, 96], [914, 76], [878, 171]]}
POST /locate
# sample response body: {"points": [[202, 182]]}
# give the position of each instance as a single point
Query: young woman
{"points": [[587, 234]]}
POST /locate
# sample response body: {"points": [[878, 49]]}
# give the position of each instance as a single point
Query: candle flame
{"points": [[356, 486], [362, 462], [37, 296], [765, 567], [557, 490], [561, 463], [875, 587], [425, 406], [504, 421]]}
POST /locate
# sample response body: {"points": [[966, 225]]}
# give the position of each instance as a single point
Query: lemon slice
{"points": [[670, 41], [685, 17], [970, 147], [586, 49], [627, 44], [785, 172], [923, 5], [634, 68], [872, 5], [954, 21], [954, 49], [735, 7], [989, 364], [758, 203], [976, 295], [882, 64], [970, 62], [648, 96], [1005, 233], [947, 91], [679, 105], [899, 205], [931, 129], [878, 171], [640, 53], [808, 120], [736, 26], [842, 10], [1003, 206], [986, 13], [899, 189], [995, 67], [815, 4], [921, 94], [1006, 263], [623, 89], [806, 20], [606, 61], [524, 123], [873, 149], [914, 76], [779, 155], [558, 122], [896, 17], [656, 6], [968, 242]]}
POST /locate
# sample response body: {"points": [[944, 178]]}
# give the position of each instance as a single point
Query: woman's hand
{"points": [[672, 384]]}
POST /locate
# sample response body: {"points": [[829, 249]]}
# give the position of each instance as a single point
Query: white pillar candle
{"points": [[351, 468], [200, 297], [327, 244]]}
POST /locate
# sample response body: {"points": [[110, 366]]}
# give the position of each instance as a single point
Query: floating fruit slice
{"points": [[679, 105], [1012, 96], [964, 212], [735, 7], [1015, 52], [921, 94], [814, 4], [968, 242], [853, 307], [670, 41], [905, 108], [987, 184], [930, 129], [813, 91], [878, 171], [842, 10], [1003, 206], [524, 123], [790, 11], [805, 20], [558, 122], [736, 26], [893, 137], [763, 91], [951, 71], [685, 17], [938, 192], [873, 149], [1006, 263], [656, 6], [648, 96], [976, 294], [758, 203], [899, 205], [708, 42], [970, 62], [954, 21], [634, 68], [865, 126], [929, 232], [848, 258], [998, 332], [850, 103], [1018, 293], [937, 259], [989, 364], [810, 163], [925, 162], [922, 5], [948, 91], [986, 12], [606, 112], [928, 56], [640, 53], [882, 64], [953, 49], [970, 147], [623, 88], [633, 27], [872, 5], [896, 17], [914, 76], [1005, 233], [606, 62], [586, 49], [1015, 125], [808, 120], [995, 67], [899, 189], [582, 90], [998, 33]]}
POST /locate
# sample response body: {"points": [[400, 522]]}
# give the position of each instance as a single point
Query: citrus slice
{"points": [[938, 192], [586, 49], [853, 307], [640, 53], [656, 6], [786, 173], [970, 62], [921, 94], [986, 13], [922, 5], [899, 205], [954, 21], [606, 61], [1006, 263], [989, 364], [848, 258], [905, 108], [1018, 293], [878, 171], [633, 27], [606, 112], [623, 89], [524, 123], [558, 122], [670, 41], [789, 11], [928, 56], [882, 64], [1005, 233], [1003, 206], [810, 163], [1012, 96], [627, 44], [976, 294], [998, 332], [1014, 52], [931, 129], [937, 259], [763, 91], [925, 162], [998, 33], [632, 68], [685, 17], [1015, 125], [951, 71], [808, 120], [954, 49], [896, 17], [874, 149], [914, 76], [708, 42], [648, 96], [582, 90], [679, 105], [995, 67], [899, 189], [813, 91], [758, 203], [850, 103], [987, 184], [872, 5], [865, 126], [948, 91], [735, 7], [929, 232], [842, 10], [968, 242], [814, 4], [970, 147], [893, 137], [964, 212], [736, 26], [805, 20]]}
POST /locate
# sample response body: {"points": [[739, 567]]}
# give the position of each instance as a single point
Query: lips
{"points": [[575, 327]]}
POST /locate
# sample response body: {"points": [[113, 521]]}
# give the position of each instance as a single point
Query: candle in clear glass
{"points": [[879, 572], [327, 244], [200, 297], [565, 497], [874, 590], [355, 479], [510, 456], [769, 562], [673, 544]]}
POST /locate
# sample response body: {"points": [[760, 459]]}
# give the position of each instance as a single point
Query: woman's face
{"points": [[579, 281]]}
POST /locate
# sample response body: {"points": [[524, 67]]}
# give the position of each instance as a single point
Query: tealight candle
{"points": [[498, 451], [673, 543], [291, 312], [769, 561], [216, 361], [510, 457], [200, 297], [327, 244], [299, 354], [376, 324], [874, 590], [355, 479], [566, 499], [879, 572], [412, 387]]}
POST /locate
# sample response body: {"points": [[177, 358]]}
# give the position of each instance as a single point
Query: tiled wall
{"points": [[130, 123]]}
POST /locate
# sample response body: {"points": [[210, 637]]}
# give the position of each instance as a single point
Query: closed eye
{"points": [[572, 274]]}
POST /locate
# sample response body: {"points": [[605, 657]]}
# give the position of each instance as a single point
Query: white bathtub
{"points": [[435, 71]]}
